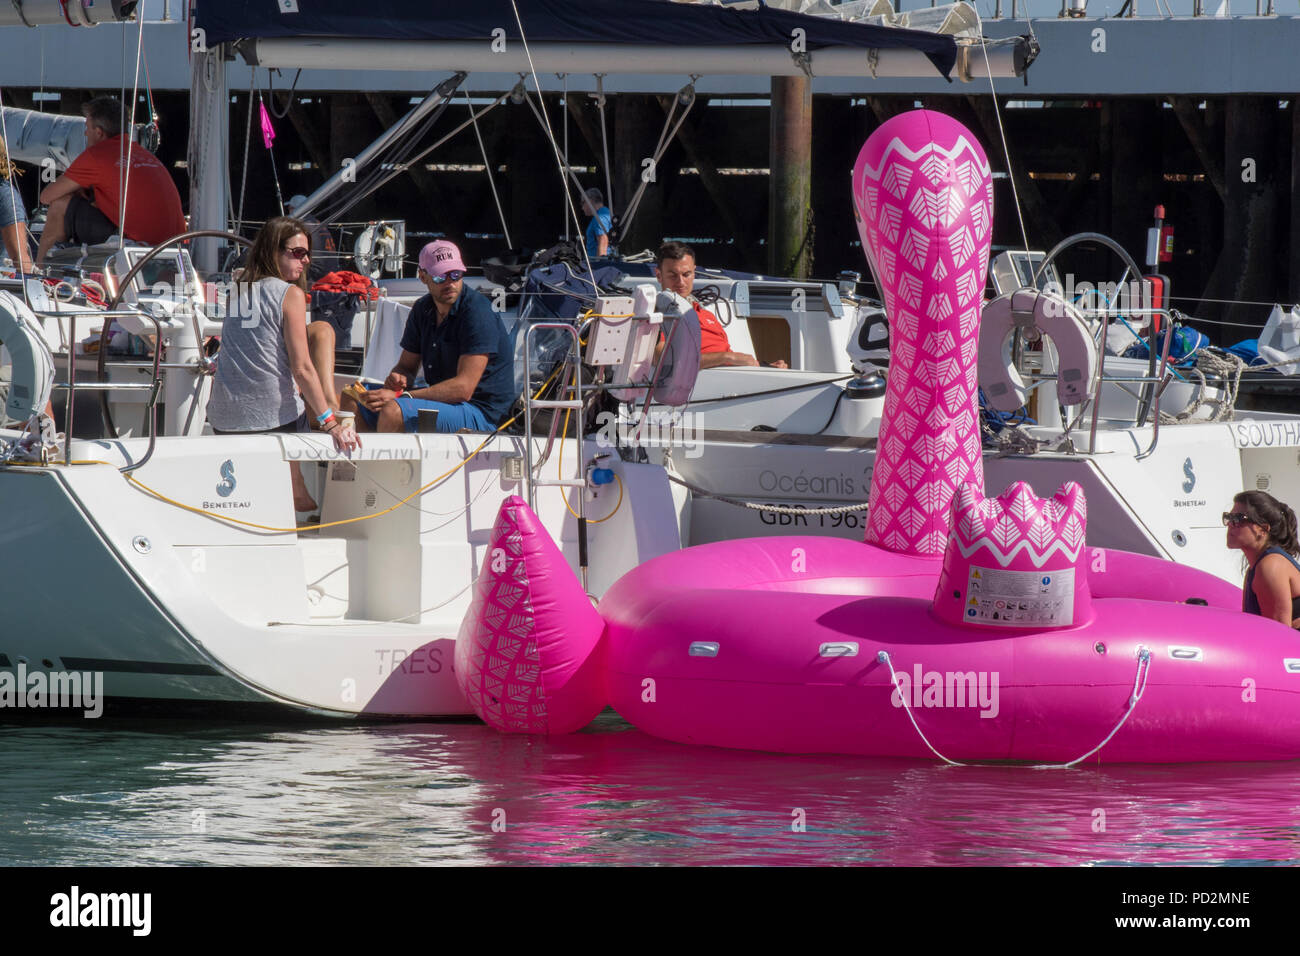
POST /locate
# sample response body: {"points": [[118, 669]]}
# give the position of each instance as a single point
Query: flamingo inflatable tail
{"points": [[530, 653]]}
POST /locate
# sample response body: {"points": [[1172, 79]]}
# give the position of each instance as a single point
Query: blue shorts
{"points": [[451, 418]]}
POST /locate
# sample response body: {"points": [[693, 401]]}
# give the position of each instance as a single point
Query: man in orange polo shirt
{"points": [[675, 269], [86, 201]]}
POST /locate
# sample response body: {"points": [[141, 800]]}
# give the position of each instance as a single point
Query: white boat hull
{"points": [[359, 620]]}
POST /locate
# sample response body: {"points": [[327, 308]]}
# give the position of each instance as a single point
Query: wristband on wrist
{"points": [[324, 416]]}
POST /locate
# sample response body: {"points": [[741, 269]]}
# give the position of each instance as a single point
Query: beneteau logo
{"points": [[225, 488], [75, 908], [55, 690], [947, 689], [227, 483]]}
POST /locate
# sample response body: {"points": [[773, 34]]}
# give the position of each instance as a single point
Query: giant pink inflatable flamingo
{"points": [[964, 627]]}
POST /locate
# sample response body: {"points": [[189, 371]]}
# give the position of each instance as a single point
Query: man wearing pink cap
{"points": [[463, 348]]}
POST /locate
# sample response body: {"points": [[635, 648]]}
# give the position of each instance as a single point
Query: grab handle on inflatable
{"points": [[838, 649]]}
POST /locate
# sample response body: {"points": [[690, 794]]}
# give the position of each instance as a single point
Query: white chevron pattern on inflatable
{"points": [[923, 216], [971, 172], [1018, 522], [500, 671]]}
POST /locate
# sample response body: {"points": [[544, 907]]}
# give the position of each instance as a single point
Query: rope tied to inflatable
{"points": [[1139, 688]]}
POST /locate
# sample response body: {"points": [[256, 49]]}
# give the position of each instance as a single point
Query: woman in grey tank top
{"points": [[264, 352]]}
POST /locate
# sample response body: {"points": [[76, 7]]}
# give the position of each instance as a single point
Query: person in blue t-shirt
{"points": [[602, 220], [463, 348]]}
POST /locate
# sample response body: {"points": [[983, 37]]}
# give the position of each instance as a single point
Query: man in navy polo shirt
{"points": [[463, 347]]}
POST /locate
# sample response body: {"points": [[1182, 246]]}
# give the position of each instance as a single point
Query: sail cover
{"points": [[636, 22]]}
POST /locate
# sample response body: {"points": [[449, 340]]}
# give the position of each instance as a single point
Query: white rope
{"points": [[883, 657], [1139, 688]]}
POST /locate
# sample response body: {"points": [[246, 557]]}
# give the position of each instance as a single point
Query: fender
{"points": [[33, 365], [1054, 317]]}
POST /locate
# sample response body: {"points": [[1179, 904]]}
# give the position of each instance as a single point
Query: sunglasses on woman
{"points": [[298, 252], [1237, 519]]}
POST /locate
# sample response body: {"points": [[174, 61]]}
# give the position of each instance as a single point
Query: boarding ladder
{"points": [[573, 360]]}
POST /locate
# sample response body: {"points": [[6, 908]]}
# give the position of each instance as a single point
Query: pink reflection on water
{"points": [[615, 795]]}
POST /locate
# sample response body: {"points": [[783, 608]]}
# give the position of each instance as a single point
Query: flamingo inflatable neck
{"points": [[923, 199]]}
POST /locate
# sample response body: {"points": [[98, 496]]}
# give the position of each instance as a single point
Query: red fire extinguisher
{"points": [[1160, 240], [1160, 248]]}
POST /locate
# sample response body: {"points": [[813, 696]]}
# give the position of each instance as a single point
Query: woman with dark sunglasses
{"points": [[265, 369], [1263, 529]]}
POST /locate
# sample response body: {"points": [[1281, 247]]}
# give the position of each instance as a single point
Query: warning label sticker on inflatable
{"points": [[1020, 598]]}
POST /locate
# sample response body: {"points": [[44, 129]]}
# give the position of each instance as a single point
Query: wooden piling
{"points": [[790, 215]]}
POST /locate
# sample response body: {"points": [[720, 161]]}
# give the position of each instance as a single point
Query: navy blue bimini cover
{"points": [[556, 21]]}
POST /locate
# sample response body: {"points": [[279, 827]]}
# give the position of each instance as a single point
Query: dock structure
{"points": [[1116, 116]]}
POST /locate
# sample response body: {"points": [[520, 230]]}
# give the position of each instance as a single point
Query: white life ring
{"points": [[1003, 387]]}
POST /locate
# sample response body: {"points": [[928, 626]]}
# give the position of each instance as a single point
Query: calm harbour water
{"points": [[392, 795]]}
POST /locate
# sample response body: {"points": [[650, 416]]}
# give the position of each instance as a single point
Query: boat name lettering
{"points": [[808, 484], [924, 688], [1266, 434], [422, 660], [225, 505], [1189, 502], [848, 519]]}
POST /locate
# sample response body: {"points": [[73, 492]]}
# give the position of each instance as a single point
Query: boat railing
{"points": [[154, 386], [1153, 384]]}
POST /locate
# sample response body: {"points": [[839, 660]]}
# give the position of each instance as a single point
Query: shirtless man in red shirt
{"points": [[675, 268], [86, 201]]}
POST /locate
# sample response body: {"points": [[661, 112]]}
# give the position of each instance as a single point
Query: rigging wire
{"points": [[487, 165], [604, 142], [128, 138], [248, 136], [550, 133], [997, 112], [400, 162]]}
